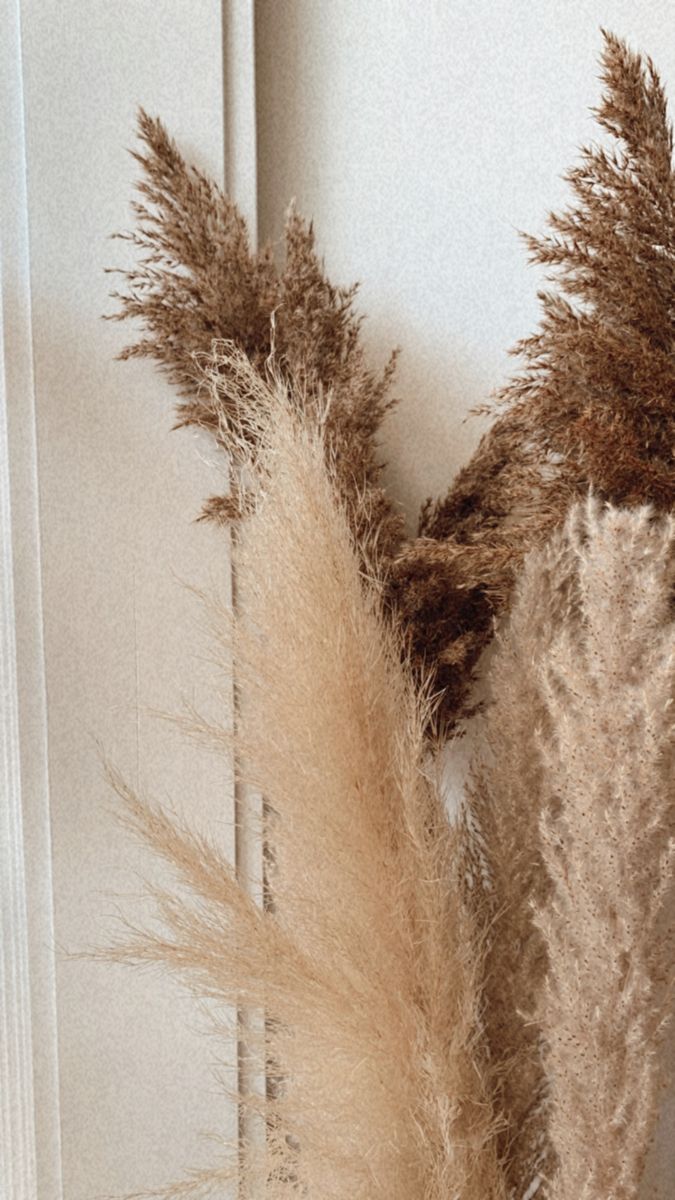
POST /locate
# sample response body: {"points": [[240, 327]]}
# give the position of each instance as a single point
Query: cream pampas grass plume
{"points": [[608, 839], [505, 796], [365, 966], [573, 795]]}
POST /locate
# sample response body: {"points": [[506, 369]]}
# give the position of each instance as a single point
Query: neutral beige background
{"points": [[420, 137], [118, 496]]}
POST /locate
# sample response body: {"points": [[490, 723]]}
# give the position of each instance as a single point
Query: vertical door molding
{"points": [[32, 1164], [240, 109], [241, 186], [29, 1104]]}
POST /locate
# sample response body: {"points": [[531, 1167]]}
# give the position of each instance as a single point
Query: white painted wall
{"points": [[420, 136], [118, 494]]}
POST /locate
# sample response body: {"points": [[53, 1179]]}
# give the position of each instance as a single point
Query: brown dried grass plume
{"points": [[366, 967], [198, 279], [592, 406]]}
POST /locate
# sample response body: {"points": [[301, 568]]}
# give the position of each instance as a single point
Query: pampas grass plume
{"points": [[572, 792], [366, 964]]}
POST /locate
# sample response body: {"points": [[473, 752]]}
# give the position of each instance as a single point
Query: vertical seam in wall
{"points": [[241, 186], [35, 806], [17, 1102], [254, 152], [48, 952], [239, 95]]}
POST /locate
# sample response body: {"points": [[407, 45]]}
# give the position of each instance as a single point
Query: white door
{"points": [[111, 1081]]}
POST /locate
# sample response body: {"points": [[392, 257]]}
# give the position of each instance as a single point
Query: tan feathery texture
{"points": [[504, 794], [366, 967], [608, 840], [573, 797]]}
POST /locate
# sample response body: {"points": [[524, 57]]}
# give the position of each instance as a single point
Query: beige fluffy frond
{"points": [[505, 792], [608, 840], [366, 967], [572, 793]]}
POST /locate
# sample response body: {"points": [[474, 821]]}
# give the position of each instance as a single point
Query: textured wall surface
{"points": [[421, 138], [118, 496]]}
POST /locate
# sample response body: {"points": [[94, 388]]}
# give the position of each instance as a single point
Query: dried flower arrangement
{"points": [[455, 1006]]}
